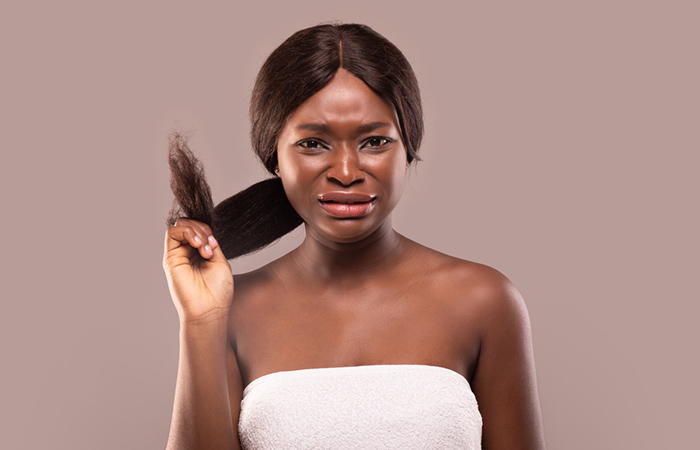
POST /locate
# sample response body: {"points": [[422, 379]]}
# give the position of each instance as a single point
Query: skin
{"points": [[355, 292]]}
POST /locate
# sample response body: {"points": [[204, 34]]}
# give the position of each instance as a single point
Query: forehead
{"points": [[345, 100]]}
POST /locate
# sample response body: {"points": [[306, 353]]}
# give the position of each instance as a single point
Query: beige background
{"points": [[562, 148]]}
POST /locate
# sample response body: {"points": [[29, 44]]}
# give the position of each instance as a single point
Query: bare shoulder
{"points": [[483, 290], [503, 378], [252, 290], [491, 310], [252, 296], [249, 283]]}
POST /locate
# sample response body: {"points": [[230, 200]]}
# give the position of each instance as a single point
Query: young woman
{"points": [[360, 337]]}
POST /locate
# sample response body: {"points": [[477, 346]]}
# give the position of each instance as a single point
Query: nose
{"points": [[345, 166]]}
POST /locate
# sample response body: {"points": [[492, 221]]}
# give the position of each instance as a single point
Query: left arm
{"points": [[504, 380]]}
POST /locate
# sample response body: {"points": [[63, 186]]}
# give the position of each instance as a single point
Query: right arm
{"points": [[209, 387]]}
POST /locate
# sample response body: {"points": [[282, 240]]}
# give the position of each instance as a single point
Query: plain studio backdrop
{"points": [[561, 148]]}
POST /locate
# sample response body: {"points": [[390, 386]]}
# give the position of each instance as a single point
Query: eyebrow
{"points": [[322, 128]]}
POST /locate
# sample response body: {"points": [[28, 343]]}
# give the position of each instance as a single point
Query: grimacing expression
{"points": [[342, 161]]}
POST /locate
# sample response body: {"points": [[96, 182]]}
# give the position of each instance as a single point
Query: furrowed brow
{"points": [[369, 127], [317, 127], [322, 128]]}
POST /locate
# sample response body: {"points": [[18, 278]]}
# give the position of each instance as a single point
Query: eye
{"points": [[311, 144], [377, 142]]}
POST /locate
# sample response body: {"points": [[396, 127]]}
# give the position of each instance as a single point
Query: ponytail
{"points": [[248, 221]]}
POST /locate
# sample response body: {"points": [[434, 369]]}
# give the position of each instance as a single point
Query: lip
{"points": [[347, 205], [345, 197]]}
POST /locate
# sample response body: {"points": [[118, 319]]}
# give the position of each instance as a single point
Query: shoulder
{"points": [[483, 284], [478, 291], [252, 292], [250, 282], [492, 296], [491, 313]]}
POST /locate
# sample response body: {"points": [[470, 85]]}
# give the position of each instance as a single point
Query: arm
{"points": [[208, 389], [504, 381]]}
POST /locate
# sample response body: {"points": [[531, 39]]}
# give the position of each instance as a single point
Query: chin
{"points": [[346, 232]]}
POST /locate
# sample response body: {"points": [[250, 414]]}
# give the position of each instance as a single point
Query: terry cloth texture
{"points": [[360, 407]]}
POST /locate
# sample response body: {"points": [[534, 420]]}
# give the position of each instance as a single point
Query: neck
{"points": [[339, 263]]}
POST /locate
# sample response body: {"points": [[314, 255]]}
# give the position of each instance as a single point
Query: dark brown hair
{"points": [[301, 66]]}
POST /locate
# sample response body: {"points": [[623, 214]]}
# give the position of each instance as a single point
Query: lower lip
{"points": [[347, 210]]}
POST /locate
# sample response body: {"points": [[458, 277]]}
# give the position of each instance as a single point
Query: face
{"points": [[342, 161]]}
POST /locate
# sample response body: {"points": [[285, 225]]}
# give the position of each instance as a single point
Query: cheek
{"points": [[399, 182], [297, 170], [398, 173], [297, 174], [288, 170]]}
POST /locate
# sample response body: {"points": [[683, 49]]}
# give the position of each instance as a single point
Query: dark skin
{"points": [[354, 293]]}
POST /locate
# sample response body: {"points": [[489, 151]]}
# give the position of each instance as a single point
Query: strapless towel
{"points": [[360, 407]]}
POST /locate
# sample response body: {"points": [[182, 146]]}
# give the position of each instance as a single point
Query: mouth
{"points": [[347, 204]]}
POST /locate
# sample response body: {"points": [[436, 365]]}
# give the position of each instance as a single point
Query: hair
{"points": [[297, 69]]}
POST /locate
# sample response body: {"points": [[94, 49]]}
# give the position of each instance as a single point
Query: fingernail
{"points": [[197, 239], [207, 250], [212, 241]]}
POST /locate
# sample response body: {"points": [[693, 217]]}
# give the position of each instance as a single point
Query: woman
{"points": [[360, 337]]}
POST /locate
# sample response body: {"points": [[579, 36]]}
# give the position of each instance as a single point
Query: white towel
{"points": [[360, 407]]}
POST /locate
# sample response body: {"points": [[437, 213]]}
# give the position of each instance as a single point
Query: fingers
{"points": [[193, 233], [203, 226], [218, 254]]}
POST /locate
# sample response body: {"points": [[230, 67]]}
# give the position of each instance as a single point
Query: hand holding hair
{"points": [[202, 237], [199, 276], [243, 223]]}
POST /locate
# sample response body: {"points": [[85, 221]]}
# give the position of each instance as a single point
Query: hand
{"points": [[199, 276]]}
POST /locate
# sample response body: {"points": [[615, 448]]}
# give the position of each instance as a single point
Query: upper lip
{"points": [[345, 197]]}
